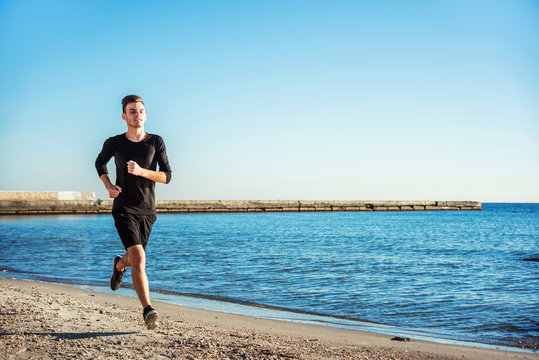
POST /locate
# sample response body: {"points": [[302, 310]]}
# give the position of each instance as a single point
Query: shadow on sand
{"points": [[73, 335]]}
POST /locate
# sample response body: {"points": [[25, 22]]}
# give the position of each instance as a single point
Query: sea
{"points": [[457, 277]]}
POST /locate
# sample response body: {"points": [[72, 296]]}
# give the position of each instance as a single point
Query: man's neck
{"points": [[135, 134]]}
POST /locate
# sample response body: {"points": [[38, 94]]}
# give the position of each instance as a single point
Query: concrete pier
{"points": [[21, 203]]}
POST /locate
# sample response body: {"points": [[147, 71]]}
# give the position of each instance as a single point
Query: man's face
{"points": [[135, 115]]}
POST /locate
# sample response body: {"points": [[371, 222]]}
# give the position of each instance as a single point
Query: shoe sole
{"points": [[151, 320]]}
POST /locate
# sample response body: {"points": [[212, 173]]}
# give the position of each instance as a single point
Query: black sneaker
{"points": [[117, 276], [150, 317]]}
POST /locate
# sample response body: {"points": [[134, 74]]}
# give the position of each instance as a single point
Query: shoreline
{"points": [[263, 311], [43, 320]]}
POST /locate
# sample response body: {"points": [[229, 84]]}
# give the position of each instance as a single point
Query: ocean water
{"points": [[463, 275]]}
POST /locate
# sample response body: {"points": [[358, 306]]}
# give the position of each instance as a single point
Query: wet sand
{"points": [[50, 321]]}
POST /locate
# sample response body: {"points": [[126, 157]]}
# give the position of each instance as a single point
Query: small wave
{"points": [[6, 269], [500, 327]]}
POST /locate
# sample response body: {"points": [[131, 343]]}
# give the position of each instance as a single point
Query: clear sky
{"points": [[328, 100]]}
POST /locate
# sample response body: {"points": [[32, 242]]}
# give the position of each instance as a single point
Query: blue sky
{"points": [[351, 100]]}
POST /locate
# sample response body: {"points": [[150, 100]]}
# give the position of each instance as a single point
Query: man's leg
{"points": [[136, 258], [134, 232]]}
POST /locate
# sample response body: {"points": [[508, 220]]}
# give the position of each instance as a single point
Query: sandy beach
{"points": [[50, 321]]}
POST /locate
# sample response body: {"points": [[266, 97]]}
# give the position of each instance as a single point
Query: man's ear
{"points": [[123, 116]]}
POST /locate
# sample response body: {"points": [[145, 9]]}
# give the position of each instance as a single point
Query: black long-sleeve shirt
{"points": [[138, 193]]}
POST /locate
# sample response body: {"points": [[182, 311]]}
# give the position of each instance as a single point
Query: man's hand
{"points": [[134, 169], [114, 191]]}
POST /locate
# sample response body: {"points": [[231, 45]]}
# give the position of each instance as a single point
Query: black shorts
{"points": [[134, 229]]}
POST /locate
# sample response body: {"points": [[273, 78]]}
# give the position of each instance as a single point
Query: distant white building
{"points": [[46, 195]]}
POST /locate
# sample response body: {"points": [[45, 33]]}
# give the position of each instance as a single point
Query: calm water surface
{"points": [[458, 275]]}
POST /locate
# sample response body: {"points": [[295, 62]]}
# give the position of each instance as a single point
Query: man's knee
{"points": [[137, 257]]}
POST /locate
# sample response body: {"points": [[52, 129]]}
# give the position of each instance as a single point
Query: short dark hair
{"points": [[131, 99]]}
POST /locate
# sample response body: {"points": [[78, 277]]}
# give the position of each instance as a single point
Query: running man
{"points": [[136, 155]]}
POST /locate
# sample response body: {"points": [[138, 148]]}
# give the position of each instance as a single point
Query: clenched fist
{"points": [[133, 168], [114, 191]]}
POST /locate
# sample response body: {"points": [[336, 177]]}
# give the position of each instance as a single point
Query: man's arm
{"points": [[162, 159], [157, 176], [101, 166]]}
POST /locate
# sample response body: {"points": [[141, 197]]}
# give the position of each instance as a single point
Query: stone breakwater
{"points": [[213, 206], [47, 206]]}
